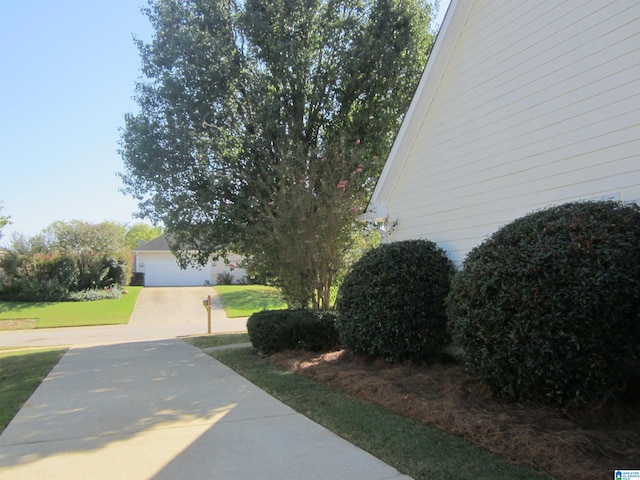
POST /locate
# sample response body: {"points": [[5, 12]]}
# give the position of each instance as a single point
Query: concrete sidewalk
{"points": [[132, 402], [165, 410]]}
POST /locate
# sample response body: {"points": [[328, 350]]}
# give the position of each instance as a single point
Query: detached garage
{"points": [[161, 269]]}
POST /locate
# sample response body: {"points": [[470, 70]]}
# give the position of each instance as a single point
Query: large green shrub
{"points": [[547, 308], [391, 303], [37, 277], [116, 271], [58, 277], [277, 330]]}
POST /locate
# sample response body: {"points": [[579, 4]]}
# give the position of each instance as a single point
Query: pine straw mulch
{"points": [[585, 444]]}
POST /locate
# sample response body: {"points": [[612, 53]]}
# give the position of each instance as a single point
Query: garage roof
{"points": [[159, 244]]}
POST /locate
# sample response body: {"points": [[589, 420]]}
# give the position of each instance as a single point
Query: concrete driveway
{"points": [[160, 313], [174, 306]]}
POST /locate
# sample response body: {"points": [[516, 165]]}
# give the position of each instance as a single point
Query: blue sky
{"points": [[67, 74]]}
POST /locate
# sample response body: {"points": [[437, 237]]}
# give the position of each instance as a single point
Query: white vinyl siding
{"points": [[539, 104]]}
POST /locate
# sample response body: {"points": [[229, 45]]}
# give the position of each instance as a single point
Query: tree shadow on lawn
{"points": [[19, 307]]}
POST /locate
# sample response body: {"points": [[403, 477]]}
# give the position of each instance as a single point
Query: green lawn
{"points": [[245, 300], [21, 371], [70, 314], [414, 449]]}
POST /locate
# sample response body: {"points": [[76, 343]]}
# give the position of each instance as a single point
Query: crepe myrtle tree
{"points": [[263, 125]]}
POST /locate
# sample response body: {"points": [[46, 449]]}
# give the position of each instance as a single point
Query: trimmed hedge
{"points": [[391, 303], [273, 331], [547, 309]]}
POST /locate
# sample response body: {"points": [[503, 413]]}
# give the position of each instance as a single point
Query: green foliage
{"points": [[224, 278], [264, 125], [78, 237], [391, 304], [140, 232], [65, 258], [56, 277], [277, 330], [4, 220], [547, 309], [116, 271], [93, 294], [39, 277]]}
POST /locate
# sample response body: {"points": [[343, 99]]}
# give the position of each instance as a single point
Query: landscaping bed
{"points": [[588, 443]]}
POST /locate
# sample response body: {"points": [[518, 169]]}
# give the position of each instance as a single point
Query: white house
{"points": [[161, 268], [522, 104]]}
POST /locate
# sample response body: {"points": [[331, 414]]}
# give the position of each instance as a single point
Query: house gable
{"points": [[522, 105], [441, 53]]}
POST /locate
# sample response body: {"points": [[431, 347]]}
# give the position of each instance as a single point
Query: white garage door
{"points": [[167, 273]]}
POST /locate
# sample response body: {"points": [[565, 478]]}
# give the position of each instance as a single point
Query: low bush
{"points": [[21, 290], [547, 309], [92, 294], [273, 331], [224, 278], [391, 303]]}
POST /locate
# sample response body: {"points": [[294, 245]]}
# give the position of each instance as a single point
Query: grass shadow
{"points": [[8, 306]]}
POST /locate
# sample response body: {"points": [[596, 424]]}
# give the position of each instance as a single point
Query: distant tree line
{"points": [[67, 258]]}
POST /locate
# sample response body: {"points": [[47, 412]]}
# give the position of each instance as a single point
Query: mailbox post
{"points": [[207, 305]]}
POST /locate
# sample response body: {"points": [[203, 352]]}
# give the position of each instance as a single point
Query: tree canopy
{"points": [[4, 219], [139, 233], [264, 124], [77, 236], [69, 257]]}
